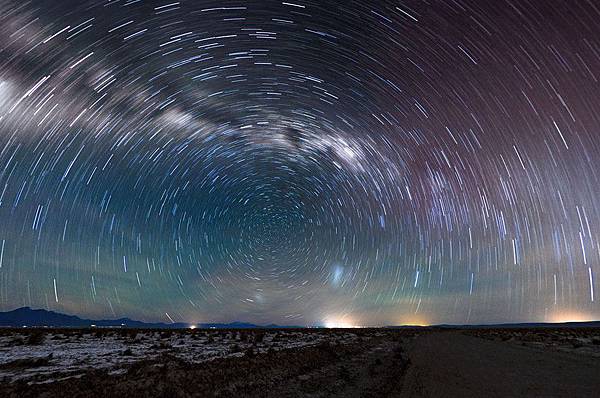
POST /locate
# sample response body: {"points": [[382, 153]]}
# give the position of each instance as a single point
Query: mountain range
{"points": [[29, 317]]}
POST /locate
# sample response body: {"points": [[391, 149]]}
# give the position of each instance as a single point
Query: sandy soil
{"points": [[40, 356], [370, 366], [301, 363]]}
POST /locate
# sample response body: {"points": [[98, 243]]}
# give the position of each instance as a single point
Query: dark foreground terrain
{"points": [[420, 362]]}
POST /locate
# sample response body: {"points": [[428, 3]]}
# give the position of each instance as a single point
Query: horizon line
{"points": [[195, 325]]}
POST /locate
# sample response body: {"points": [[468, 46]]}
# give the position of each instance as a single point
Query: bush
{"points": [[345, 374], [577, 344], [36, 338], [18, 341], [24, 363], [259, 337]]}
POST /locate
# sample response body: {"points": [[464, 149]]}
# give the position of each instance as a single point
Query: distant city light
{"points": [[339, 323], [569, 316]]}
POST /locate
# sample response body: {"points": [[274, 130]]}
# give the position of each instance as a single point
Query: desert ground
{"points": [[407, 362]]}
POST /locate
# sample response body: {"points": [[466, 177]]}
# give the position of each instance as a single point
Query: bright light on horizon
{"points": [[339, 323], [570, 316]]}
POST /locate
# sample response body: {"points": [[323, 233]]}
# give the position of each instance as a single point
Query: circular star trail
{"points": [[302, 162]]}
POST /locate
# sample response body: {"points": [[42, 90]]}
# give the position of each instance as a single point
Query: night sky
{"points": [[310, 162]]}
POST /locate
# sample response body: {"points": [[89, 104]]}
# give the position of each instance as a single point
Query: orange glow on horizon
{"points": [[413, 321], [570, 316]]}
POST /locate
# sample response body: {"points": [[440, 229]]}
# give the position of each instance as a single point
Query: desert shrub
{"points": [[18, 341], [259, 337], [24, 363], [398, 351], [345, 374], [165, 346], [36, 338]]}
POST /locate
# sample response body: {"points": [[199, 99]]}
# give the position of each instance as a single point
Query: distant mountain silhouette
{"points": [[27, 316]]}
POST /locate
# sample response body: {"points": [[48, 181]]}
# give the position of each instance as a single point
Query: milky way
{"points": [[311, 162]]}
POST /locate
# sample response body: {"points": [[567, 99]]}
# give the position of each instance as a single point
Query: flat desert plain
{"points": [[403, 362]]}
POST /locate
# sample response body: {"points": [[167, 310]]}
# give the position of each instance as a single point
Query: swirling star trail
{"points": [[305, 162]]}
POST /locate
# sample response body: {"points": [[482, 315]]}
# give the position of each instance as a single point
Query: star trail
{"points": [[302, 162]]}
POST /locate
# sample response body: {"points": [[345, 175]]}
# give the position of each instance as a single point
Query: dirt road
{"points": [[451, 364]]}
